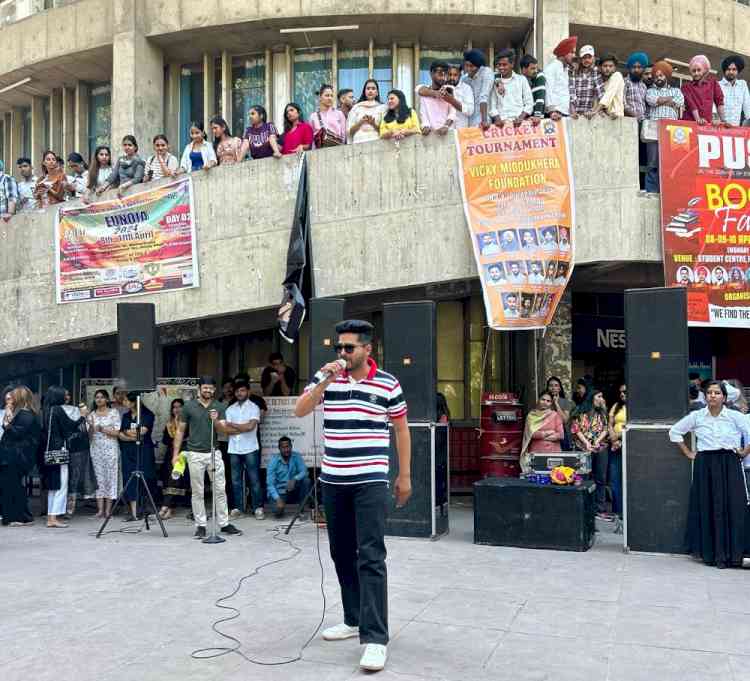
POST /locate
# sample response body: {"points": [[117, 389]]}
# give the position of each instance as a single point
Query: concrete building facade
{"points": [[74, 74]]}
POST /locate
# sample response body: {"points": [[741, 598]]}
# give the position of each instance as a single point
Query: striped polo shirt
{"points": [[355, 426]]}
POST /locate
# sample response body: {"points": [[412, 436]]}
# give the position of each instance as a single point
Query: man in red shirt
{"points": [[702, 93]]}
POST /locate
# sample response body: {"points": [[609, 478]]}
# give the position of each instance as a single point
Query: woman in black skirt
{"points": [[718, 495]]}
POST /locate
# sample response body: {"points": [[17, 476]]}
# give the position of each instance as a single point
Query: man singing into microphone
{"points": [[359, 400]]}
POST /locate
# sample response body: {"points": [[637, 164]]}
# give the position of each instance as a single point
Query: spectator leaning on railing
{"points": [[736, 94], [8, 194], [511, 100]]}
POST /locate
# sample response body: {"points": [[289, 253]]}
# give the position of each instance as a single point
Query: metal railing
{"points": [[15, 10]]}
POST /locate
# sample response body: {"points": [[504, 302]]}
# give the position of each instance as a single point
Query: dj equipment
{"points": [[325, 313], [513, 512], [137, 345], [657, 354], [410, 354], [426, 513], [544, 463], [656, 490]]}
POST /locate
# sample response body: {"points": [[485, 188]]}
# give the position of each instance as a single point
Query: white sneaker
{"points": [[235, 513], [374, 657], [259, 514], [340, 632]]}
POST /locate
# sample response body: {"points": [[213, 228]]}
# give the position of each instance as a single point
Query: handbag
{"points": [[55, 457], [325, 137], [649, 130]]}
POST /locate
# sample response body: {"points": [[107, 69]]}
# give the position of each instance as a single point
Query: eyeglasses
{"points": [[347, 348]]}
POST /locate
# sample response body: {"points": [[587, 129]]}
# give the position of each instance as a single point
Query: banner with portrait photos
{"points": [[518, 198], [705, 214]]}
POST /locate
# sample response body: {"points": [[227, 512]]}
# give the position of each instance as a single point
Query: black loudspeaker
{"points": [[426, 514], [656, 490], [325, 313], [514, 512], [657, 354], [410, 354], [137, 345]]}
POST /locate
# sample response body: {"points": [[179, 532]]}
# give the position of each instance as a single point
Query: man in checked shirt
{"points": [[586, 85]]}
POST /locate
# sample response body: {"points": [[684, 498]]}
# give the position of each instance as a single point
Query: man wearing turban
{"points": [[480, 79], [736, 95], [556, 73], [635, 88], [702, 93], [663, 102]]}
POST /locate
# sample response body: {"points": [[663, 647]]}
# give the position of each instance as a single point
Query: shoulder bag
{"points": [[325, 137], [55, 457]]}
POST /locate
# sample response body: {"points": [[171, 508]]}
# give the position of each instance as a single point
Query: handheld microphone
{"points": [[341, 362]]}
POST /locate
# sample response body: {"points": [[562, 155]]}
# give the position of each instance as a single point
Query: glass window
{"points": [[248, 88], [426, 58], [191, 100], [312, 68], [382, 70], [450, 355], [354, 66], [218, 111], [100, 117]]}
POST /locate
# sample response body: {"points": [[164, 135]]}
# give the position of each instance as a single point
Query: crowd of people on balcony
{"points": [[574, 84]]}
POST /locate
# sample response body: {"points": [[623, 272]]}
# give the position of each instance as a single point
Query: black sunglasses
{"points": [[348, 348]]}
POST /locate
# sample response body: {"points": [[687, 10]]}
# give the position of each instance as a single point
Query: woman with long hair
{"points": [[129, 451], [543, 431], [77, 181], [104, 427], [718, 493], [198, 154], [365, 117], [161, 163], [81, 475], [100, 171], [298, 134], [18, 447], [226, 147], [173, 488], [130, 168], [618, 418], [400, 120], [58, 428], [50, 187], [328, 122], [261, 138], [588, 426]]}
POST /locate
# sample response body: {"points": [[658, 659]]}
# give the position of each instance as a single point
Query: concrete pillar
{"points": [[172, 113], [556, 347], [137, 78], [55, 123], [68, 122], [38, 125], [5, 117], [553, 24], [16, 136], [209, 92], [226, 85], [81, 134]]}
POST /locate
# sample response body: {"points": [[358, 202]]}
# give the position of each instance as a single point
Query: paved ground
{"points": [[131, 608]]}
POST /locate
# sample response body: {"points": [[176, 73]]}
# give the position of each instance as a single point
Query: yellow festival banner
{"points": [[143, 243], [518, 198]]}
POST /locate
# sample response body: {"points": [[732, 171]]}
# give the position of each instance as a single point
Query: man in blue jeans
{"points": [[287, 480], [241, 424]]}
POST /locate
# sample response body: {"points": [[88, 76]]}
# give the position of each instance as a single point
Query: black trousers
{"points": [[15, 506], [355, 515]]}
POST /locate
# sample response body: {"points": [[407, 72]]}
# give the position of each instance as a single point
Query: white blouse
{"points": [[725, 431]]}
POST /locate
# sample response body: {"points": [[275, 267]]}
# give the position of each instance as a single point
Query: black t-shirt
{"points": [[290, 378]]}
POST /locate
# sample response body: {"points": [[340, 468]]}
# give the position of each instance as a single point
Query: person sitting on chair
{"points": [[286, 477]]}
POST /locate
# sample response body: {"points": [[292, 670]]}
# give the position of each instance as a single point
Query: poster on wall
{"points": [[306, 433], [705, 216], [518, 196], [143, 243]]}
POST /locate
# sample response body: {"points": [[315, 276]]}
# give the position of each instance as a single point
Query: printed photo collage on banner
{"points": [[518, 199], [705, 211]]}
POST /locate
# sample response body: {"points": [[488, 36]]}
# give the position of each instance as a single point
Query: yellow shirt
{"points": [[621, 419], [411, 123]]}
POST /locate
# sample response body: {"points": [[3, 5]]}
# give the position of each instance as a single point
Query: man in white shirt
{"points": [[515, 274], [736, 94], [510, 98], [556, 74], [479, 78], [241, 423], [26, 185], [535, 273], [461, 97]]}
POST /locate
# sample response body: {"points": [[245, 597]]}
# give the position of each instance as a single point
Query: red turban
{"points": [[566, 46]]}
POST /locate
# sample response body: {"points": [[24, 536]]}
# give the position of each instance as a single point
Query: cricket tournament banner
{"points": [[518, 198], [143, 243], [705, 213]]}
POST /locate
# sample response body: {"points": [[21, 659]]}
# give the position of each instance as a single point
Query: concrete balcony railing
{"points": [[15, 10], [383, 217]]}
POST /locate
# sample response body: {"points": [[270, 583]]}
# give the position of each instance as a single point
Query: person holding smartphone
{"points": [[278, 379]]}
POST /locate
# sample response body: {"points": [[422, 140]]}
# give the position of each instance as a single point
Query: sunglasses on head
{"points": [[347, 348]]}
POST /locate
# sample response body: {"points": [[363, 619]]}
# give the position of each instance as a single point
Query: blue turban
{"points": [[638, 58], [475, 57]]}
